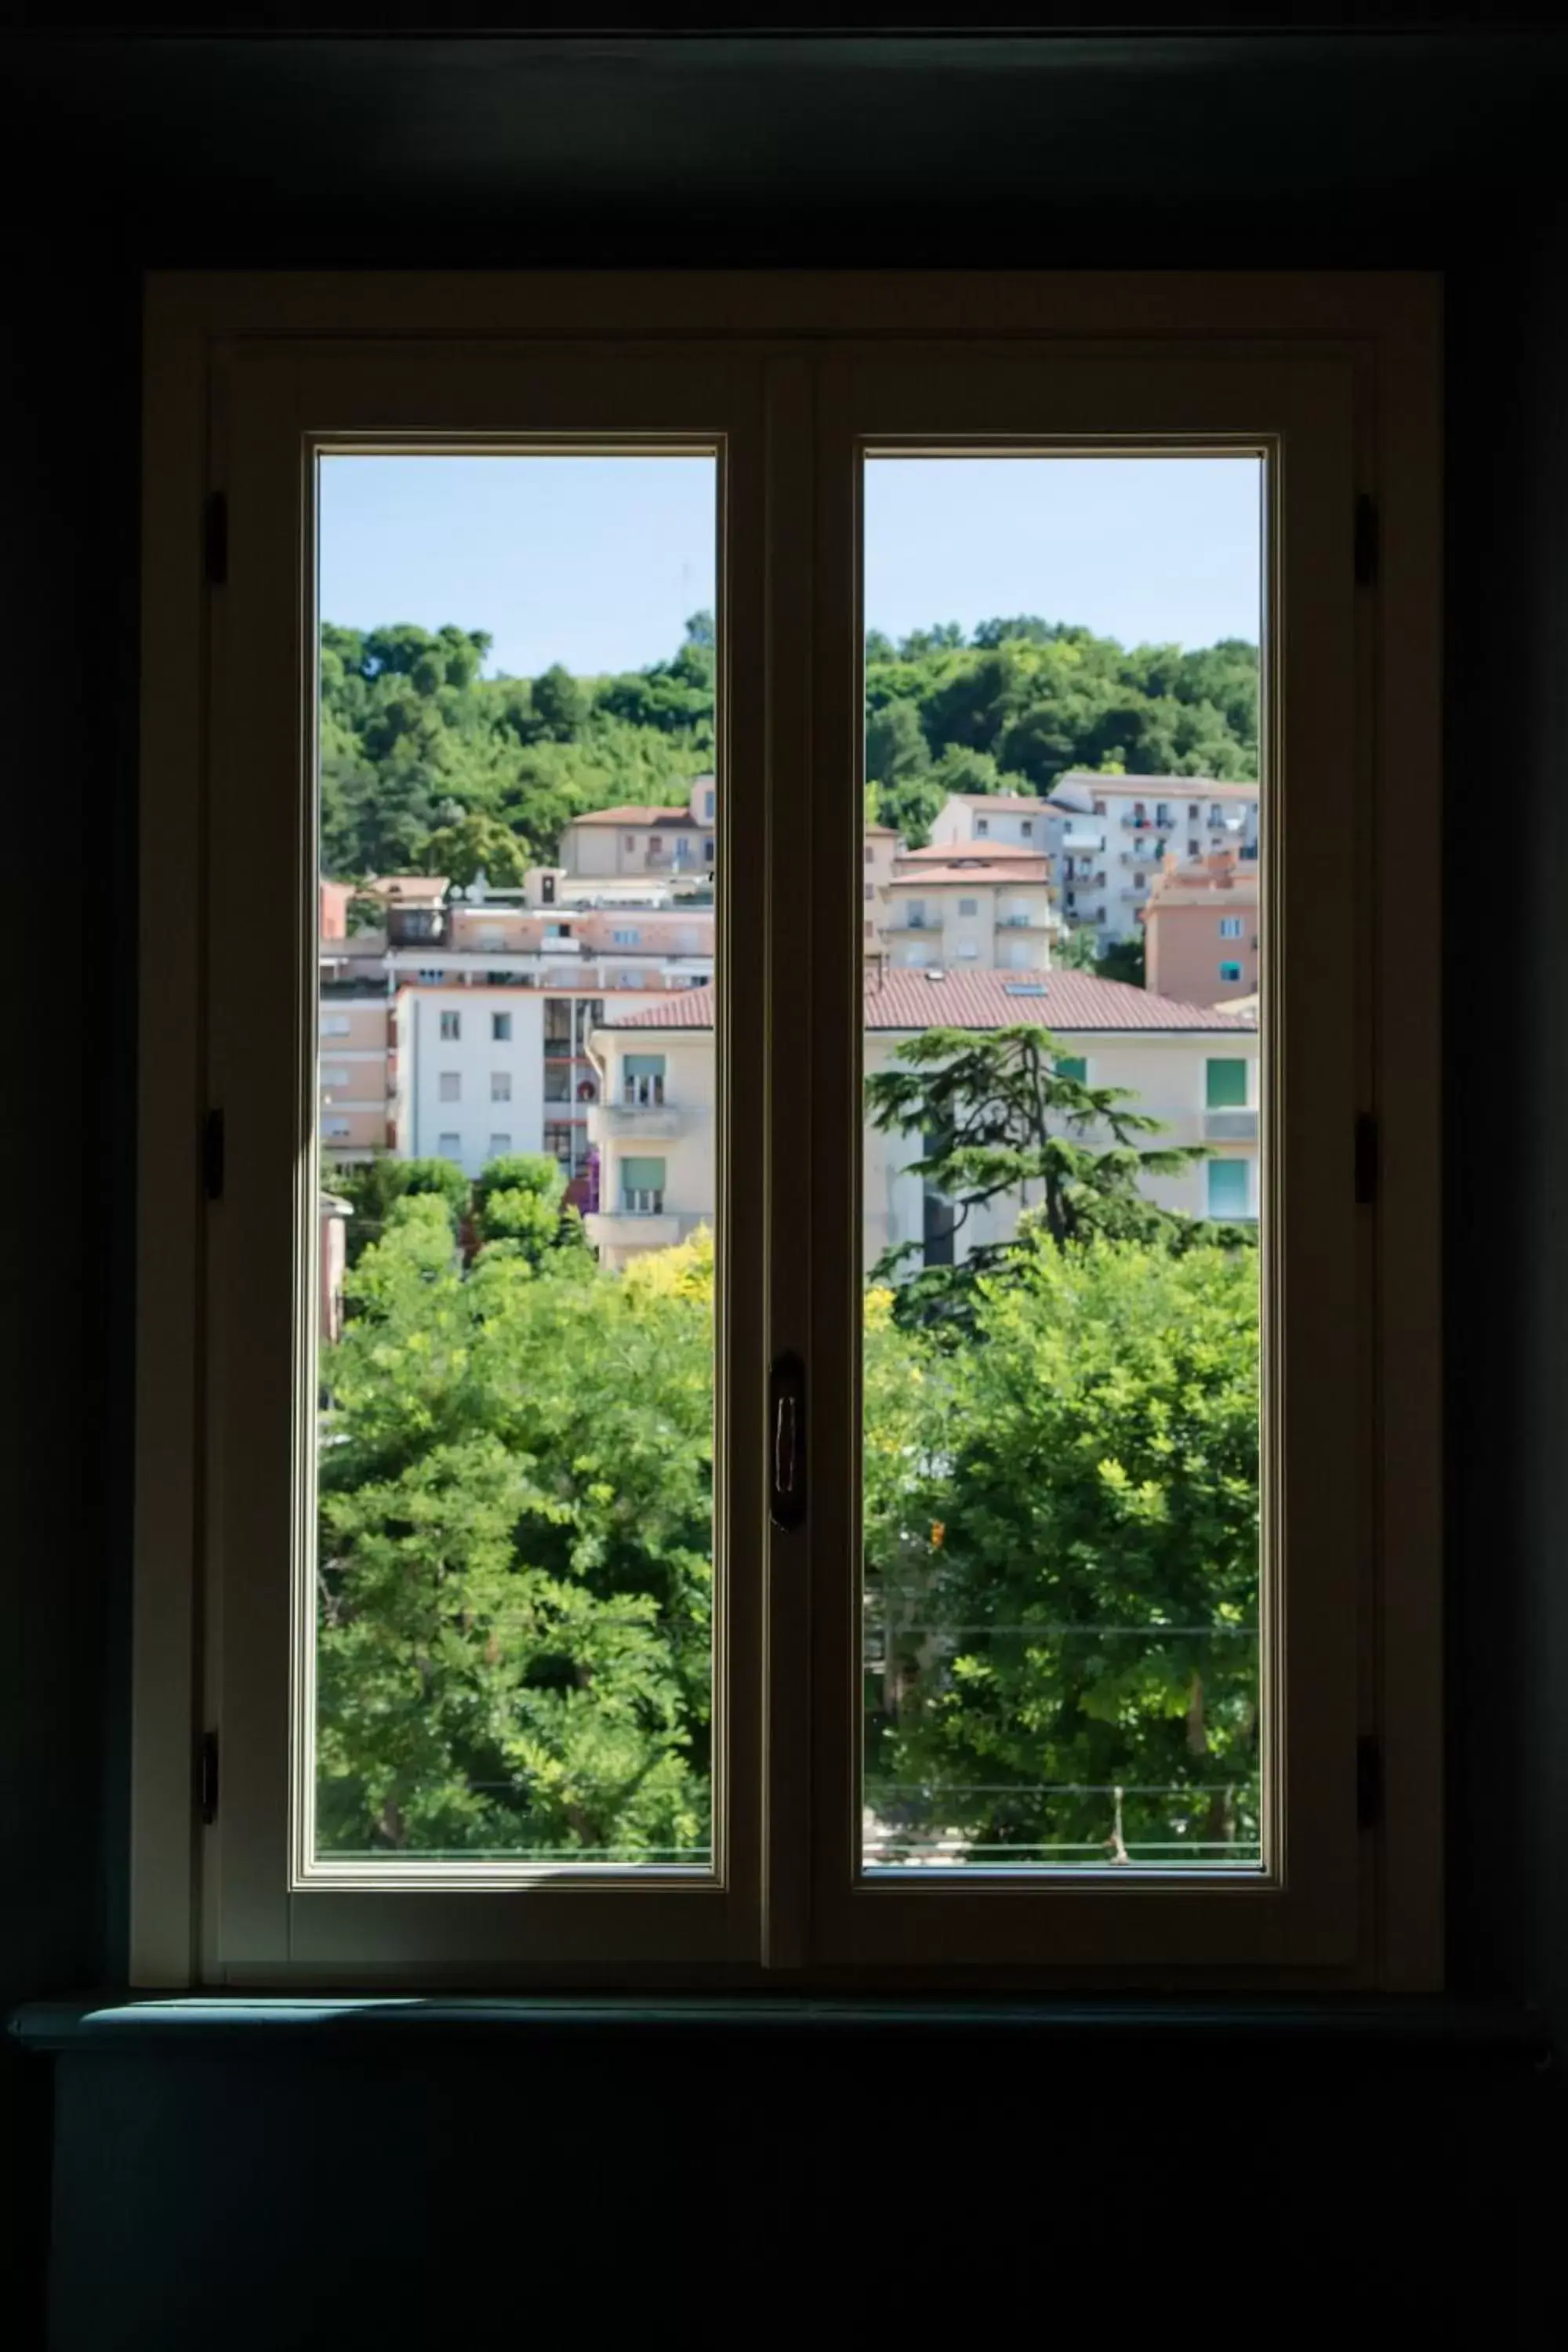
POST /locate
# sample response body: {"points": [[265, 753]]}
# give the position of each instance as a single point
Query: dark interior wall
{"points": [[1424, 155]]}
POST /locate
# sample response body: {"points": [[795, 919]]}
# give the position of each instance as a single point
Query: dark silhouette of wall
{"points": [[1424, 152]]}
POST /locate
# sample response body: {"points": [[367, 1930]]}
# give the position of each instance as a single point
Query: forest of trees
{"points": [[429, 766]]}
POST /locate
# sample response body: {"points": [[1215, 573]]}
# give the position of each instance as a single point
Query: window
{"points": [[1099, 811], [557, 1021], [1193, 812], [433, 976], [915, 914], [336, 1079], [969, 905], [1229, 1187], [1225, 1082], [642, 1187], [642, 1081], [868, 853], [500, 1028], [337, 1130], [708, 849], [1230, 927], [499, 1144], [708, 805], [1026, 828], [869, 889], [981, 827], [627, 938], [449, 1086], [335, 1024], [501, 1086], [1192, 845], [451, 1027], [1067, 1780], [1230, 973], [1072, 1066], [968, 951]]}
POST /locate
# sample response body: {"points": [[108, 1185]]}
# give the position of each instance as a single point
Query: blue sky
{"points": [[596, 561]]}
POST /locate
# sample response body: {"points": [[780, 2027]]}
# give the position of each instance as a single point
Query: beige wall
{"points": [[986, 940], [1168, 1075], [1184, 950], [607, 850]]}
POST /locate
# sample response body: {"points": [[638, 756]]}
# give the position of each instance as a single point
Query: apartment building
{"points": [[988, 907], [1109, 837], [1200, 929], [881, 845], [1195, 1067], [638, 839], [482, 1071], [561, 940], [1005, 819]]}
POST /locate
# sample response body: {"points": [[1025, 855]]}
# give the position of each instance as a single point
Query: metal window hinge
{"points": [[1366, 542], [1366, 1160], [206, 1778], [211, 1155], [1368, 1780], [215, 534]]}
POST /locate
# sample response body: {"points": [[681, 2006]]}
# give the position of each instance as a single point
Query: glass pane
{"points": [[514, 1637], [1061, 1363]]}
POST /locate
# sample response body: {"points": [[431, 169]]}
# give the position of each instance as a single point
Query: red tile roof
{"points": [[981, 853], [1170, 788], [974, 871], [1001, 801], [1071, 1000], [635, 812]]}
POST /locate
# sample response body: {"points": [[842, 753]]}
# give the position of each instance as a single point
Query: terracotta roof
{"points": [[418, 890], [634, 813], [948, 852], [1072, 1002], [1195, 884], [959, 874], [885, 831]]}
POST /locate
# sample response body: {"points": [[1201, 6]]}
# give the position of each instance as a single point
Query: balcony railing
{"points": [[1230, 1126]]}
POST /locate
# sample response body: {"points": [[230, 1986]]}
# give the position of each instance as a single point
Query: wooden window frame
{"points": [[817, 367]]}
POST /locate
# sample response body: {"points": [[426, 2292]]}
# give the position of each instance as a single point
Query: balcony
{"points": [[626, 1121], [1230, 1126], [630, 1229]]}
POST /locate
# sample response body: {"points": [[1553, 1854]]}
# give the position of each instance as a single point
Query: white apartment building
{"points": [[986, 907], [1108, 836], [988, 819], [482, 1071], [1190, 1065]]}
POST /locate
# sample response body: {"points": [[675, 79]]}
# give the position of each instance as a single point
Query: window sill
{"points": [[1395, 2031]]}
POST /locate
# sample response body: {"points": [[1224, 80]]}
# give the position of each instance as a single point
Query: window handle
{"points": [[786, 1500]]}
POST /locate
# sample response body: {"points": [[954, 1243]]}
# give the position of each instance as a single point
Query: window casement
{"points": [[741, 1126]]}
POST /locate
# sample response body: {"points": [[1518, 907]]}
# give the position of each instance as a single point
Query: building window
{"points": [[1230, 927], [708, 806], [432, 975], [1225, 1082], [981, 827], [869, 854], [500, 1028], [557, 1082], [1229, 973], [629, 841], [1027, 827], [968, 952], [501, 1086], [708, 849], [337, 1130], [869, 890], [1194, 810], [1072, 1066], [451, 1147], [558, 1139], [915, 914], [642, 1187], [1192, 845], [1229, 1187], [627, 938], [451, 1028], [498, 1144], [1099, 811], [969, 905], [558, 1020], [335, 1024], [642, 1080]]}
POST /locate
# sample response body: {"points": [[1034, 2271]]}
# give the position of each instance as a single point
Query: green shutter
{"points": [[1072, 1066], [1227, 1188], [642, 1175], [1227, 1085], [642, 1065]]}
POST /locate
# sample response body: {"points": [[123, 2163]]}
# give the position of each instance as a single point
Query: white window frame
{"points": [[1345, 369]]}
